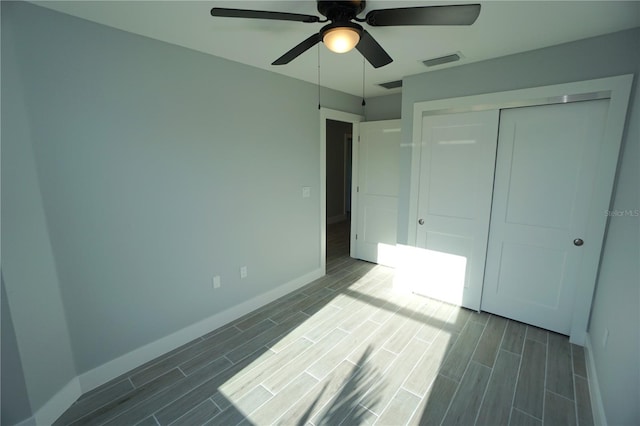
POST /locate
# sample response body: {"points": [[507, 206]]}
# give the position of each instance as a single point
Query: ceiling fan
{"points": [[343, 34]]}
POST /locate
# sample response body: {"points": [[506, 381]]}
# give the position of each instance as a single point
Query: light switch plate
{"points": [[306, 191]]}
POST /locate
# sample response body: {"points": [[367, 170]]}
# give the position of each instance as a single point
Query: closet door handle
{"points": [[578, 242], [420, 221]]}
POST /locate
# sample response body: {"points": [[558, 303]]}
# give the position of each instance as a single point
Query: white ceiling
{"points": [[503, 28]]}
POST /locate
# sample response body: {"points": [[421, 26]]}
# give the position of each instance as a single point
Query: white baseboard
{"points": [[57, 405], [116, 367], [597, 407], [335, 219]]}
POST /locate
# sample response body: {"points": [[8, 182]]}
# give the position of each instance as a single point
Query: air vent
{"points": [[442, 60], [391, 84]]}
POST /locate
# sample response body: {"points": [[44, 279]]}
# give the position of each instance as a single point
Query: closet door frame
{"points": [[617, 90]]}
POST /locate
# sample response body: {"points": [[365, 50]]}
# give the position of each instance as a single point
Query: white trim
{"points": [[116, 367], [617, 90], [57, 405], [597, 407], [354, 119]]}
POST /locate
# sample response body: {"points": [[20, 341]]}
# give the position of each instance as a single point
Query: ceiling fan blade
{"points": [[298, 50], [372, 51], [462, 14], [261, 14]]}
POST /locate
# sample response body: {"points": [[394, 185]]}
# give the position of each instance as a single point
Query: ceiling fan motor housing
{"points": [[341, 11]]}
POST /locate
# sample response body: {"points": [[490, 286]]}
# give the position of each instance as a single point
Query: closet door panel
{"points": [[545, 173]]}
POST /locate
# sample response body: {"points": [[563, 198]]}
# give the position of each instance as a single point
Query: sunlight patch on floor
{"points": [[431, 273]]}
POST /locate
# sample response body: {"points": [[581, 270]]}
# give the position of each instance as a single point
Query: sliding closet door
{"points": [[545, 171], [454, 203]]}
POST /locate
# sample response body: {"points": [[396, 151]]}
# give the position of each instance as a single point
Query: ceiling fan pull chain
{"points": [[364, 103], [318, 76]]}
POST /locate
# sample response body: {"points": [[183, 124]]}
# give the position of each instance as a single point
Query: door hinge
{"points": [[357, 189], [358, 138], [356, 236]]}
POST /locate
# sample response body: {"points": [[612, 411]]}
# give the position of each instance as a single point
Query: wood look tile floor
{"points": [[348, 350]]}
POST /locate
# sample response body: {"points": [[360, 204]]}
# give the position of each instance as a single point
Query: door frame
{"points": [[617, 90], [354, 119]]}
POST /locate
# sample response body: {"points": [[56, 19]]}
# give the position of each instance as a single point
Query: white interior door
{"points": [[378, 162], [454, 205], [545, 171]]}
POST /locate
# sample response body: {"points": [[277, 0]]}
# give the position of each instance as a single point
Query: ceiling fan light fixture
{"points": [[341, 39]]}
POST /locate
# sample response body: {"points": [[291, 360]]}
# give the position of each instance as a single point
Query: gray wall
{"points": [[617, 300], [336, 131], [616, 306], [386, 107], [156, 167], [28, 264], [15, 400]]}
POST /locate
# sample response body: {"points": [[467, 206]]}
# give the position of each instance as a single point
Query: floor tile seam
{"points": [[243, 376], [459, 383], [246, 371], [223, 328], [373, 385], [220, 410], [527, 414], [177, 421], [247, 415], [526, 334], [161, 392], [544, 388], [408, 375], [495, 358], [412, 392], [223, 354], [515, 388], [109, 418], [374, 312], [354, 369], [160, 360], [581, 376], [291, 343], [159, 409], [184, 393], [389, 402], [181, 365], [185, 374], [398, 330], [561, 396], [511, 352], [447, 355], [573, 381], [355, 348], [414, 335], [324, 332], [371, 292], [282, 367], [294, 401], [426, 352], [287, 332], [444, 360], [371, 412], [87, 414]]}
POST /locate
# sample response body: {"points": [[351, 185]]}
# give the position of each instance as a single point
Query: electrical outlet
{"points": [[216, 282], [605, 337], [243, 272]]}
